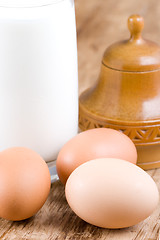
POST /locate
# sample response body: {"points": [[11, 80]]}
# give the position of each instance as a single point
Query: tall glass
{"points": [[38, 75]]}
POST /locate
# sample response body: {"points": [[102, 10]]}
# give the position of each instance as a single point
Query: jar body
{"points": [[38, 77], [128, 102]]}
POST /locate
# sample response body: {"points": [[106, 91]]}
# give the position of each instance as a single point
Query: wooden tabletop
{"points": [[99, 23]]}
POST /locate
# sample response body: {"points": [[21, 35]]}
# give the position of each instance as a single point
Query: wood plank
{"points": [[57, 221]]}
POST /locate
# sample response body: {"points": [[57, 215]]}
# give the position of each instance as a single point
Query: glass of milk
{"points": [[38, 75]]}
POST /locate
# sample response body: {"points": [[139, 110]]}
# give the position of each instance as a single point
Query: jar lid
{"points": [[135, 54]]}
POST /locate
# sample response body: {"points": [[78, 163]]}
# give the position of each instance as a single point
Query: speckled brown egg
{"points": [[24, 183]]}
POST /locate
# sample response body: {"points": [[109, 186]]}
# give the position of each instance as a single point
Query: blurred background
{"points": [[102, 22]]}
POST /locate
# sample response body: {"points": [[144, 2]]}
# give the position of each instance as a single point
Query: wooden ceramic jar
{"points": [[127, 94]]}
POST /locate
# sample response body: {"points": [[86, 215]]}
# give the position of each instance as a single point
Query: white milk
{"points": [[38, 75]]}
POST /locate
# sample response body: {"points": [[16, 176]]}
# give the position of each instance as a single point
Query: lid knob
{"points": [[135, 25]]}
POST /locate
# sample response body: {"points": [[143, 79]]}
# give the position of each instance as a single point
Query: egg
{"points": [[111, 193], [24, 183], [91, 144]]}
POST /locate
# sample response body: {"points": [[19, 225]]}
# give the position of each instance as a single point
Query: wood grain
{"points": [[99, 24], [57, 221]]}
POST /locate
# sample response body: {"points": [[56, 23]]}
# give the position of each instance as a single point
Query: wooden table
{"points": [[99, 23]]}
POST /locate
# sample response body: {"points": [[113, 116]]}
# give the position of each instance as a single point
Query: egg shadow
{"points": [[64, 220], [24, 222]]}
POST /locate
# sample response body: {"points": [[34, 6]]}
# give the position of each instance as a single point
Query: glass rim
{"points": [[30, 5]]}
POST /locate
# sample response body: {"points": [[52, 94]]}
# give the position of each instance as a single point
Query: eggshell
{"points": [[91, 144], [111, 193], [24, 183]]}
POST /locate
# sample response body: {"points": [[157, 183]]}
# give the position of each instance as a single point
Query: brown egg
{"points": [[24, 183], [111, 193], [91, 144]]}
